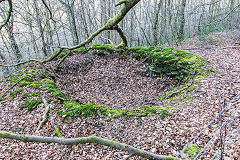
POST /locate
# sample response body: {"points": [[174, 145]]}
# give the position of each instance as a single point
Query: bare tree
{"points": [[69, 5]]}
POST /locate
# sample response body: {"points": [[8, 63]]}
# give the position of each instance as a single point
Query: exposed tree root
{"points": [[45, 115], [84, 140]]}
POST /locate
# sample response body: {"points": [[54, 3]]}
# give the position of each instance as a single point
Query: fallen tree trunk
{"points": [[83, 140]]}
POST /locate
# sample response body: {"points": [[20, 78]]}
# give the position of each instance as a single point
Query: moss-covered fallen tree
{"points": [[83, 140]]}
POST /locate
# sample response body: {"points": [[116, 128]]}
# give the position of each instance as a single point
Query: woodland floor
{"points": [[119, 83]]}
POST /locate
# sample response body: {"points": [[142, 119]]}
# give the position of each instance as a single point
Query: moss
{"points": [[4, 133], [15, 77], [15, 92], [73, 110], [35, 85], [25, 95], [47, 81], [236, 47], [103, 47], [52, 75], [62, 54], [24, 83], [35, 94], [192, 151], [60, 95], [178, 91], [31, 104], [212, 70], [28, 77], [50, 86], [50, 90], [81, 49], [99, 52], [174, 63], [57, 131]]}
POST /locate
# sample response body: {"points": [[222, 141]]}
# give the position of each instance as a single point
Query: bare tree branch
{"points": [[50, 12], [84, 140], [9, 13]]}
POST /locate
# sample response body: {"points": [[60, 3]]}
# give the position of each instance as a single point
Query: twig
{"points": [[45, 115], [56, 129], [84, 140]]}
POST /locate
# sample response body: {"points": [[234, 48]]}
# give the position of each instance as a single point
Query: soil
{"points": [[111, 81]]}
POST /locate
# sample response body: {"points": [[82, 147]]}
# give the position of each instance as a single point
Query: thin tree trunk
{"points": [[231, 14], [182, 21], [156, 21], [39, 22], [71, 19], [12, 39]]}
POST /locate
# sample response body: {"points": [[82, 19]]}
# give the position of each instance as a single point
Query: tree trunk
{"points": [[39, 22], [71, 19], [182, 21], [231, 14], [156, 21], [13, 43]]}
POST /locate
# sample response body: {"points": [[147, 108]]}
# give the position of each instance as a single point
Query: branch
{"points": [[45, 115], [84, 140], [121, 2], [20, 63], [9, 13], [46, 6], [122, 35]]}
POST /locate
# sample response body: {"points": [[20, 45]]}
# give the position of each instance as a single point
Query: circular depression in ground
{"points": [[108, 80]]}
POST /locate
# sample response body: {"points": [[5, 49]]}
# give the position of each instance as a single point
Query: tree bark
{"points": [[14, 45], [156, 22], [72, 21], [182, 21], [39, 22], [84, 140]]}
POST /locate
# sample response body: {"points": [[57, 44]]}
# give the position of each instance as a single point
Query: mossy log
{"points": [[84, 140]]}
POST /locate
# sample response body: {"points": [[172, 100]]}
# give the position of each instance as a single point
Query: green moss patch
{"points": [[31, 104], [25, 95], [35, 94], [99, 52], [60, 95], [35, 85], [192, 151], [81, 49], [73, 110], [103, 47], [15, 92], [175, 63]]}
